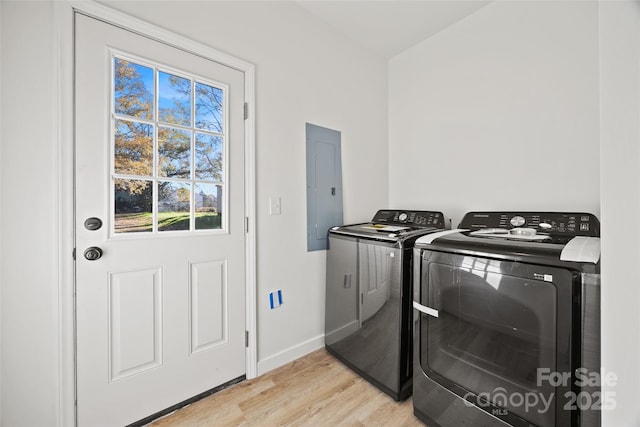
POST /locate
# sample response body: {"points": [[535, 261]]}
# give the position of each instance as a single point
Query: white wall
{"points": [[305, 71], [516, 79], [28, 229], [1, 62], [499, 112], [620, 181], [531, 80]]}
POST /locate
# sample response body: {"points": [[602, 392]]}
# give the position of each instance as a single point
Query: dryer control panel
{"points": [[424, 219], [555, 223]]}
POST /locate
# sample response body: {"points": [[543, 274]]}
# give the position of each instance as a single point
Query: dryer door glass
{"points": [[498, 330]]}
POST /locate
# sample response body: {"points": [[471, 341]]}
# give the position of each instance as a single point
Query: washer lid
{"points": [[385, 232], [391, 225]]}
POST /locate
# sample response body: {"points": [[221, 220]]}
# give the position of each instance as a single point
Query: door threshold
{"points": [[184, 403]]}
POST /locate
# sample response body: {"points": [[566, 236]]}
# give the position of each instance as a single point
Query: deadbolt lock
{"points": [[93, 223]]}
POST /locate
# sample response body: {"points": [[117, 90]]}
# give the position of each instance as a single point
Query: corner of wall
{"points": [[619, 44], [1, 204]]}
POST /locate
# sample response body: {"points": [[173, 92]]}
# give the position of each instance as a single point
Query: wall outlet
{"points": [[274, 205], [275, 299]]}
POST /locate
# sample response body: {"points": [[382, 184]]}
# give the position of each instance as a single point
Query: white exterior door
{"points": [[160, 302]]}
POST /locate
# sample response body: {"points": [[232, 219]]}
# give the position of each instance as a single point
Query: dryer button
{"points": [[517, 221]]}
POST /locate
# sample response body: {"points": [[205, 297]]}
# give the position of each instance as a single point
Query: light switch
{"points": [[274, 206]]}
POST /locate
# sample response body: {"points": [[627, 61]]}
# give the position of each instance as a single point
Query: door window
{"points": [[168, 150]]}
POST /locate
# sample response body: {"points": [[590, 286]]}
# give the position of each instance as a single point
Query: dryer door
{"points": [[501, 328]]}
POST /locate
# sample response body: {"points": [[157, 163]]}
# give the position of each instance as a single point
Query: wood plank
{"points": [[315, 390]]}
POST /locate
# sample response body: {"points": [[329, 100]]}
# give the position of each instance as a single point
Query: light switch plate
{"points": [[274, 206]]}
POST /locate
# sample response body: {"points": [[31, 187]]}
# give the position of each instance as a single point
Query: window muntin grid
{"points": [[169, 140]]}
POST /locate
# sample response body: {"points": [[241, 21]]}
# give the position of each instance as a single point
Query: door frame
{"points": [[63, 78]]}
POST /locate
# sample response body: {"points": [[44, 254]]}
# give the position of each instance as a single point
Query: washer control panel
{"points": [[562, 223], [412, 218]]}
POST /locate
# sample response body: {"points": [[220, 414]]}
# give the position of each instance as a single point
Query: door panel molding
{"points": [[208, 304], [63, 76], [134, 351]]}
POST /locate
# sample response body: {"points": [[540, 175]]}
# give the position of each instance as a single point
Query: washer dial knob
{"points": [[403, 216], [517, 221]]}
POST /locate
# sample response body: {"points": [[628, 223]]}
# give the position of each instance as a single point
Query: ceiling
{"points": [[388, 27]]}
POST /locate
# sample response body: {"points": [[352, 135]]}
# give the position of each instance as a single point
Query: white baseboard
{"points": [[289, 355]]}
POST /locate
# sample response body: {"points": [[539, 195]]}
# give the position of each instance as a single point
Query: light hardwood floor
{"points": [[315, 390]]}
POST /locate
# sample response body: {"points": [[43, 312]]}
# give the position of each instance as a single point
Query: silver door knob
{"points": [[93, 253]]}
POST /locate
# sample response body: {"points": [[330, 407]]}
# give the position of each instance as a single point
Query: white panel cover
{"points": [[429, 238], [208, 304], [135, 310], [582, 249]]}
